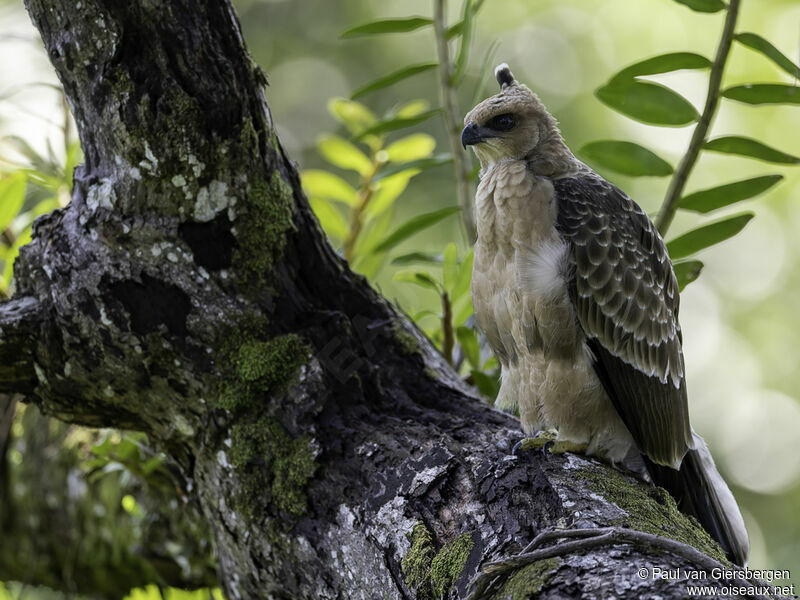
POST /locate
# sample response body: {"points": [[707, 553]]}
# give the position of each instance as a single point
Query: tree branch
{"points": [[20, 322], [496, 574], [676, 185], [330, 447]]}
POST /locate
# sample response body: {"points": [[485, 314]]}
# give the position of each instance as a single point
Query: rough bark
{"points": [[188, 292]]}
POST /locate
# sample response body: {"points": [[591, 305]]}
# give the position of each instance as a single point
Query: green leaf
{"points": [[686, 272], [460, 65], [354, 115], [387, 190], [387, 26], [412, 147], [743, 146], [421, 164], [664, 64], [468, 341], [464, 275], [36, 160], [705, 6], [12, 196], [395, 123], [422, 279], [344, 154], [647, 102], [152, 464], [708, 235], [392, 78], [707, 200], [759, 44], [416, 257], [415, 225], [424, 314], [321, 184], [764, 93], [450, 266], [331, 219], [626, 158], [462, 309], [410, 109], [487, 383], [372, 234], [457, 28]]}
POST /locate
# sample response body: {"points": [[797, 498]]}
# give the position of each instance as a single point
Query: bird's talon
{"points": [[547, 446], [516, 447]]}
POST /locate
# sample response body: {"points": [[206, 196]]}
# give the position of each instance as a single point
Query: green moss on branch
{"points": [[650, 509], [448, 564], [416, 563], [274, 467], [529, 580], [262, 225]]}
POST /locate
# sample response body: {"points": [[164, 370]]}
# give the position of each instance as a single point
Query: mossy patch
{"points": [[273, 468], [529, 580], [276, 467], [259, 366], [431, 574], [449, 562], [416, 563], [261, 228], [650, 509]]}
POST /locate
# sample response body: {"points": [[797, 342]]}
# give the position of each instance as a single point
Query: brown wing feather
{"points": [[626, 300]]}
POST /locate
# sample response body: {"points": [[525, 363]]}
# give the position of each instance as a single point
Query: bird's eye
{"points": [[503, 122]]}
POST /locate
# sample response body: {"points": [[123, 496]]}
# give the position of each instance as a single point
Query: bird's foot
{"points": [[548, 444]]}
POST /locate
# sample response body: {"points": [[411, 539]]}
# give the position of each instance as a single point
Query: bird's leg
{"points": [[549, 443], [543, 434]]}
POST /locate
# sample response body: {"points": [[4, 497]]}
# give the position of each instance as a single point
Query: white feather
{"points": [[541, 270]]}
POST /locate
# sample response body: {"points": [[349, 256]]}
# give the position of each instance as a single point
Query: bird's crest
{"points": [[504, 76]]}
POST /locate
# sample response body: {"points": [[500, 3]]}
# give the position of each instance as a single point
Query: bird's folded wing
{"points": [[625, 297]]}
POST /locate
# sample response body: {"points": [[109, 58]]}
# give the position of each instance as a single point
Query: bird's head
{"points": [[512, 124]]}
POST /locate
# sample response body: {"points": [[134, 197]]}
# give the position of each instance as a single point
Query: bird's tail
{"points": [[701, 492]]}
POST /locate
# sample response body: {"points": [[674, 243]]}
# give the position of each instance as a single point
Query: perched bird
{"points": [[573, 288]]}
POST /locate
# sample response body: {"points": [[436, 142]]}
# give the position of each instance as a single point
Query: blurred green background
{"points": [[740, 318]]}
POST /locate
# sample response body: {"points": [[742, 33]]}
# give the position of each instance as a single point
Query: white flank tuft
{"points": [[542, 269]]}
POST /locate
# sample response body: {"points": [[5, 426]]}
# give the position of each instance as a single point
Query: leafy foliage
{"points": [[357, 217], [656, 104]]}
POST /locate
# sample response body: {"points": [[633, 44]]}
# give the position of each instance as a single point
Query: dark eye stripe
{"points": [[504, 122]]}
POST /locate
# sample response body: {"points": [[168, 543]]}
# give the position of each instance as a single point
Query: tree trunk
{"points": [[187, 291]]}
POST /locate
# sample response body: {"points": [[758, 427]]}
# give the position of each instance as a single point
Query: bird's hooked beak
{"points": [[475, 134]]}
